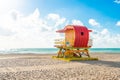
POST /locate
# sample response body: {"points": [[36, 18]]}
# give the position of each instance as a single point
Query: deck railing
{"points": [[59, 42]]}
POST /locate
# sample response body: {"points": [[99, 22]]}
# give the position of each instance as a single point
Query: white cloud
{"points": [[93, 22], [105, 32], [17, 30], [104, 39], [117, 1], [53, 16], [77, 22], [56, 18], [36, 13], [118, 23], [20, 31]]}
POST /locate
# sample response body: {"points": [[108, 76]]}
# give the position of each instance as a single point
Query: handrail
{"points": [[59, 42]]}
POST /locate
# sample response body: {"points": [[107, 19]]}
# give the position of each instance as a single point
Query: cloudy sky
{"points": [[32, 23]]}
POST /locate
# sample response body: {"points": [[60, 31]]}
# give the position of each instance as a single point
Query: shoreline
{"points": [[54, 53]]}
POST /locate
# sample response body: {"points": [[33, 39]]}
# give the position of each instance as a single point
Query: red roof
{"points": [[63, 30], [69, 28]]}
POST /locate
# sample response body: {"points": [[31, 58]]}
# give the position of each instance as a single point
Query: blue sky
{"points": [[104, 11], [32, 23]]}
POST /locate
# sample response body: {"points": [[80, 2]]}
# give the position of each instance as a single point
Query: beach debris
{"points": [[75, 45]]}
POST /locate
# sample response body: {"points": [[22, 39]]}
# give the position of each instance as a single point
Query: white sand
{"points": [[43, 67]]}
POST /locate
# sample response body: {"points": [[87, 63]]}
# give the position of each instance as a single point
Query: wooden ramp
{"points": [[74, 58]]}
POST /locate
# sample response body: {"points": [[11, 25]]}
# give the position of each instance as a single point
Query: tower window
{"points": [[82, 33]]}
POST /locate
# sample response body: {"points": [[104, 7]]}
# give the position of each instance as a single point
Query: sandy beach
{"points": [[43, 67]]}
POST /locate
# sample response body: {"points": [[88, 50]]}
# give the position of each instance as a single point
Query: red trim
{"points": [[90, 30], [63, 30], [76, 37]]}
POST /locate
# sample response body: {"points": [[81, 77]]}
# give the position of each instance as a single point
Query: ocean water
{"points": [[52, 50]]}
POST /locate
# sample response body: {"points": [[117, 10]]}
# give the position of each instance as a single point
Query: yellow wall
{"points": [[70, 36]]}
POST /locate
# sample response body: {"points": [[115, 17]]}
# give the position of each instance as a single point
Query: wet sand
{"points": [[43, 67]]}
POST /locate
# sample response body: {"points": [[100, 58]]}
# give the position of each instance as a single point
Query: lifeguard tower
{"points": [[76, 44]]}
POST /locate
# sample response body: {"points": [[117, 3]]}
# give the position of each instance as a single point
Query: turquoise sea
{"points": [[52, 50]]}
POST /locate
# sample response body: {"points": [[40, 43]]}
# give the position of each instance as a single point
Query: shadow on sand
{"points": [[102, 63]]}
